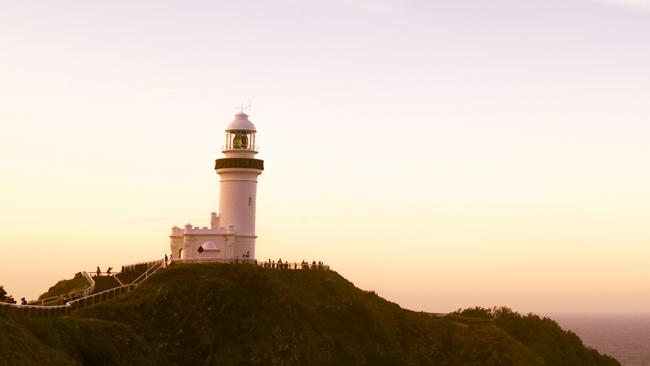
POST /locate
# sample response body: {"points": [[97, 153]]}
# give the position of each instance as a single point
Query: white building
{"points": [[231, 234]]}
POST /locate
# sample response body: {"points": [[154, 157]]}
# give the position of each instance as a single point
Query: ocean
{"points": [[625, 337]]}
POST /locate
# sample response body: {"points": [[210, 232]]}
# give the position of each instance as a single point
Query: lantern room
{"points": [[240, 134]]}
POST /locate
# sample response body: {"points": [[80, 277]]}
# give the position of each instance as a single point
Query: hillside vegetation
{"points": [[70, 341], [63, 287], [220, 314]]}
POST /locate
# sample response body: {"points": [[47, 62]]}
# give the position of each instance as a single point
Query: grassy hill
{"points": [[62, 287], [239, 314], [70, 341]]}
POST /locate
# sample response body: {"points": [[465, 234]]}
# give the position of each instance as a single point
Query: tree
{"points": [[4, 297]]}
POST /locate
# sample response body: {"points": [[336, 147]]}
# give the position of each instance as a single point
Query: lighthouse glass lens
{"points": [[240, 140]]}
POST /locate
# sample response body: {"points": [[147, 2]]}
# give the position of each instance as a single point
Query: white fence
{"points": [[88, 298], [267, 264], [18, 310]]}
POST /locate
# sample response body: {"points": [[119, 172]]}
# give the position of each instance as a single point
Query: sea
{"points": [[626, 337]]}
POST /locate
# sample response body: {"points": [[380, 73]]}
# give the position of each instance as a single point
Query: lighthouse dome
{"points": [[241, 123]]}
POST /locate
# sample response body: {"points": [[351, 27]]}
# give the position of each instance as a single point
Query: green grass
{"points": [[221, 314], [71, 341], [103, 283], [132, 274], [241, 314], [65, 286]]}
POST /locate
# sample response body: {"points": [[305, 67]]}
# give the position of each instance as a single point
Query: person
{"points": [[166, 259], [99, 271], [313, 264], [108, 271], [23, 301]]}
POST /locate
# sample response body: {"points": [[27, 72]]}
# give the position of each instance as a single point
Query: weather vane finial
{"points": [[243, 107]]}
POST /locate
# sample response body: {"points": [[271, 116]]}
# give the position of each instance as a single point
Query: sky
{"points": [[444, 154]]}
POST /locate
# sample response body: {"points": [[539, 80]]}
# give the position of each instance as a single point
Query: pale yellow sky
{"points": [[444, 155]]}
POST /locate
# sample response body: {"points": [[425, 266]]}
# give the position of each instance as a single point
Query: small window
{"points": [[250, 201]]}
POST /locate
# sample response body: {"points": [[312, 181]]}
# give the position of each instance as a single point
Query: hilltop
{"points": [[241, 314]]}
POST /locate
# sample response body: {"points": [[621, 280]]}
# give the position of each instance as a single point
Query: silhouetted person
{"points": [[108, 271], [166, 259], [23, 301], [99, 271]]}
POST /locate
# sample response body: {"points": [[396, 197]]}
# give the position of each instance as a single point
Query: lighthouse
{"points": [[231, 234]]}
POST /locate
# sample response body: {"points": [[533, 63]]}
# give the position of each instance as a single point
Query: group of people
{"points": [[108, 271], [286, 265], [64, 298]]}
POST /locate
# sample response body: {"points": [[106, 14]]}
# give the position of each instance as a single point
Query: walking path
{"points": [[88, 298], [117, 279]]}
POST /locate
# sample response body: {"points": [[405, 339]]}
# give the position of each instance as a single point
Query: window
{"points": [[250, 201]]}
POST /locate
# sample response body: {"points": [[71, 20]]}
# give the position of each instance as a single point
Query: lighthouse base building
{"points": [[231, 234]]}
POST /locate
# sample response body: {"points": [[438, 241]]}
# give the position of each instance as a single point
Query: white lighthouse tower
{"points": [[231, 234], [238, 172]]}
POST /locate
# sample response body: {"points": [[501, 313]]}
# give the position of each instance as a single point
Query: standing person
{"points": [[108, 271], [166, 259], [99, 271]]}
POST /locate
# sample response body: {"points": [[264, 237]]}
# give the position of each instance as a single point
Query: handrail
{"points": [[34, 310], [294, 265], [104, 273], [55, 299], [87, 300], [270, 265], [88, 290], [147, 273], [132, 266], [46, 300], [90, 298]]}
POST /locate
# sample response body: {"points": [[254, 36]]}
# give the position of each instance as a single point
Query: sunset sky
{"points": [[442, 153]]}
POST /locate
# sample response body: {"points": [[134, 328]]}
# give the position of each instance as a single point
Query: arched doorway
{"points": [[181, 254]]}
